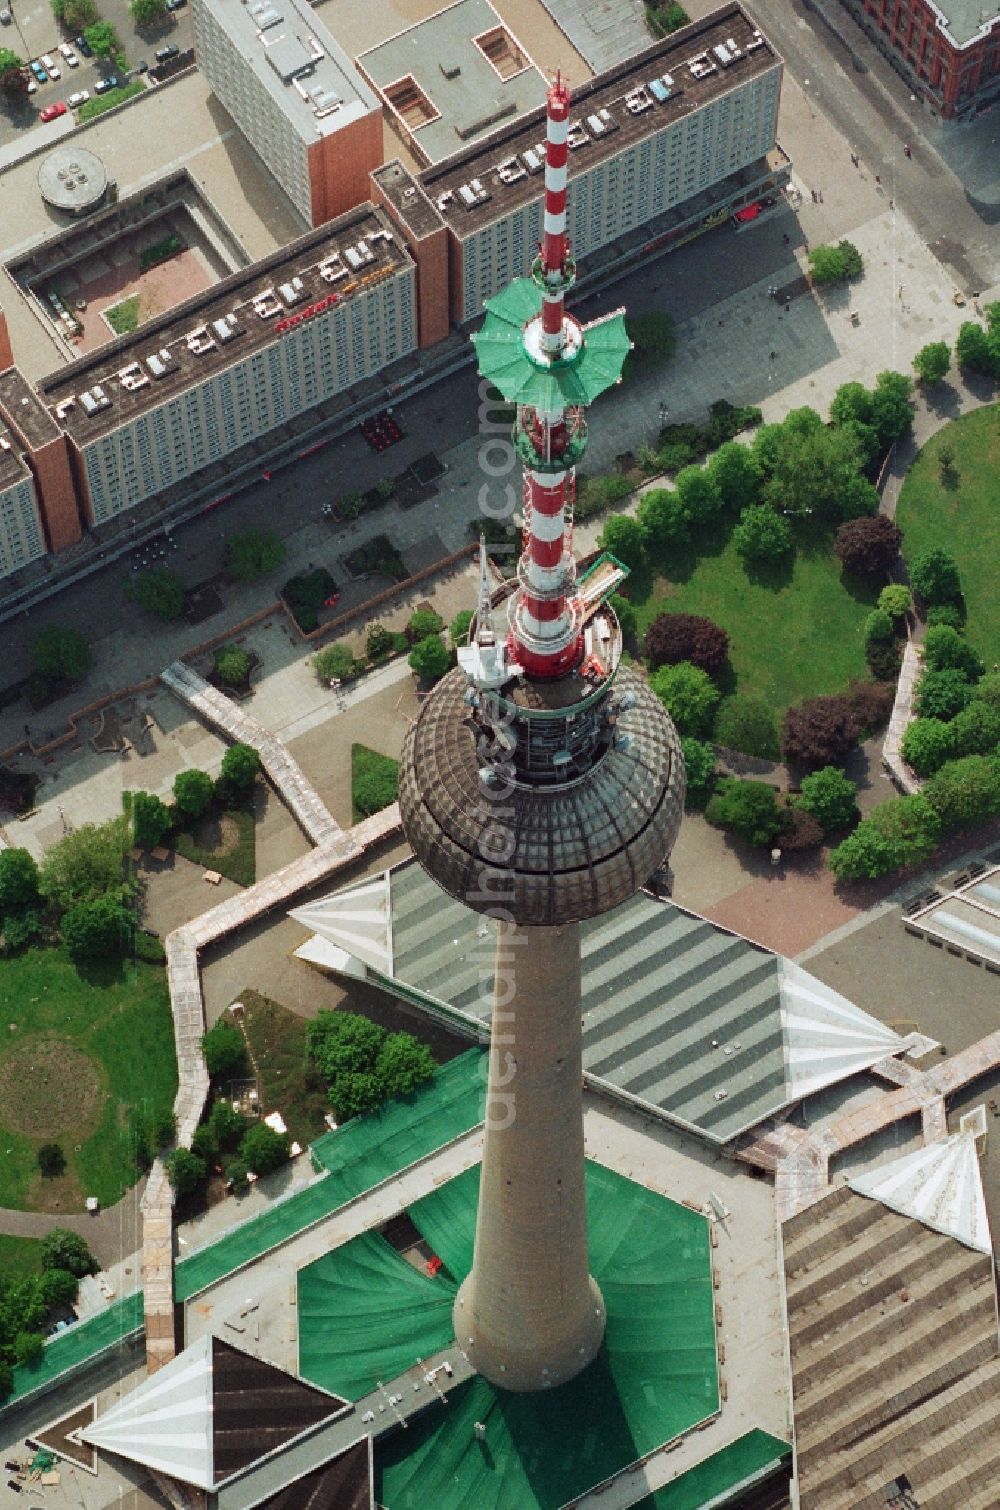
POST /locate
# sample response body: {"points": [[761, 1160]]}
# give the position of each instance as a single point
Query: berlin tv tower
{"points": [[541, 784]]}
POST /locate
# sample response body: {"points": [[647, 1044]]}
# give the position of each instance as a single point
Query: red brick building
{"points": [[948, 53]]}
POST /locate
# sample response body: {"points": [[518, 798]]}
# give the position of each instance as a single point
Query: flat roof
{"points": [[24, 411], [72, 178], [438, 78], [965, 21], [509, 179], [292, 54], [408, 199], [221, 324]]}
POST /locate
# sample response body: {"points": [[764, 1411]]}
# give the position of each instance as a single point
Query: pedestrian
{"points": [[877, 179], [787, 239]]}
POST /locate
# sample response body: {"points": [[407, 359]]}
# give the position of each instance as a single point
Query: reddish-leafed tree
{"points": [[674, 637], [868, 546], [820, 731]]}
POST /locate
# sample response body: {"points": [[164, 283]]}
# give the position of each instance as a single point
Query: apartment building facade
{"points": [[948, 52], [22, 538]]}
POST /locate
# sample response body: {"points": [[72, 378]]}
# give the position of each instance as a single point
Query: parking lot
{"points": [[34, 32]]}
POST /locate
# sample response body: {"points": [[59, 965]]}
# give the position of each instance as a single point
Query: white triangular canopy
{"points": [[939, 1185], [166, 1423], [826, 1037], [355, 922]]}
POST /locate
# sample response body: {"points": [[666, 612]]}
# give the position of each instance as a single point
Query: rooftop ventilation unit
{"points": [[638, 101], [531, 160], [265, 304], [5, 443], [264, 14], [133, 377], [658, 90], [63, 409], [226, 328], [701, 66], [332, 269], [95, 400], [511, 170], [324, 101], [160, 362], [199, 341], [291, 292], [576, 136], [755, 41], [446, 200]]}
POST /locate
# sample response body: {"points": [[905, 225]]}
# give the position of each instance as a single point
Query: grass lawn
{"points": [[124, 317], [226, 842], [962, 516], [20, 1256], [374, 781], [288, 1084], [117, 1017], [800, 637]]}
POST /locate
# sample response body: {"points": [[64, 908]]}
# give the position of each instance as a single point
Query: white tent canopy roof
{"points": [[939, 1185], [166, 1423]]}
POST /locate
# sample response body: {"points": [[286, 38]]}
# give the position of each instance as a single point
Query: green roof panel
{"points": [[504, 362]]}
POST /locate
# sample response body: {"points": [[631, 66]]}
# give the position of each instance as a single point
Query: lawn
{"points": [[20, 1256], [799, 638], [961, 514], [277, 1039], [115, 1031], [374, 781], [226, 842], [124, 316]]}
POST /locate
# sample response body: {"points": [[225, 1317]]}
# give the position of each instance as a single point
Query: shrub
{"points": [[21, 929], [835, 264], [57, 653], [966, 792], [226, 1125], [402, 1064], [896, 600], [596, 494], [662, 521], [871, 703], [831, 798], [878, 626], [51, 1160], [158, 590], [423, 622], [458, 630], [625, 614], [747, 808], [901, 832], [378, 642], [927, 744], [931, 362], [236, 1174], [232, 665], [240, 766], [689, 696], [945, 649], [868, 547], [700, 495], [336, 663], [185, 1171], [673, 637], [151, 819], [624, 538], [98, 929], [699, 767], [59, 1287], [820, 731], [988, 689], [63, 1249], [883, 657], [225, 1051], [976, 729], [430, 658], [306, 593], [674, 455], [736, 473], [252, 553], [192, 792], [942, 694], [18, 880], [945, 613], [747, 724], [799, 830], [762, 537], [204, 1144], [934, 576], [262, 1149], [376, 783]]}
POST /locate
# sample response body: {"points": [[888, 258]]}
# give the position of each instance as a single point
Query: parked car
{"points": [[83, 46], [51, 111], [72, 61], [51, 66], [39, 72], [5, 16], [79, 98], [111, 82], [176, 4], [32, 86], [164, 54]]}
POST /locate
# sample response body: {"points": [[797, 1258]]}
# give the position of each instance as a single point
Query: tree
{"points": [[988, 689], [896, 600], [831, 798], [430, 658], [151, 819], [252, 552], [851, 405], [163, 1127], [225, 1051], [762, 538], [626, 616], [700, 495], [674, 637], [976, 729], [18, 881], [910, 826], [622, 536], [835, 264], [424, 622], [868, 547], [232, 665], [878, 627], [379, 640], [965, 793], [63, 1249], [28, 1349], [952, 614], [892, 413], [335, 663], [747, 724], [51, 1160], [86, 863], [689, 696], [97, 929], [819, 731], [978, 350], [942, 694], [158, 589], [75, 14], [699, 767], [736, 473], [185, 1171], [662, 521], [60, 653], [236, 1174], [59, 1287], [13, 75], [814, 469], [241, 766], [747, 808], [863, 855], [403, 1063], [192, 792], [931, 363], [226, 1125], [343, 1042], [147, 12], [945, 649], [102, 39], [799, 830], [354, 1093], [927, 744], [262, 1149]]}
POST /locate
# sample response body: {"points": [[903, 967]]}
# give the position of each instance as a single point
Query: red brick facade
{"points": [[914, 34]]}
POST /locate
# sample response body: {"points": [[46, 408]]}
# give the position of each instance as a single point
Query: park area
{"points": [[955, 504], [86, 1061]]}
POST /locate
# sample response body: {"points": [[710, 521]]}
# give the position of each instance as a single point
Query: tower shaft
{"points": [[529, 1315]]}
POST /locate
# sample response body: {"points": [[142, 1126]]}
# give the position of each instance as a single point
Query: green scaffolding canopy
{"points": [[505, 363]]}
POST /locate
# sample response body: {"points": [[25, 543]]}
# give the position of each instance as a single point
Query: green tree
{"points": [[699, 767], [232, 665], [226, 1125], [626, 616], [353, 1094], [945, 648], [965, 793], [335, 663], [158, 589], [813, 471], [863, 855], [75, 14], [192, 792], [163, 1128], [86, 863], [942, 694], [13, 75], [424, 622], [736, 473], [151, 819], [747, 724], [976, 729], [379, 641], [225, 1051], [910, 826], [663, 524], [102, 39], [18, 881], [689, 696], [931, 363], [835, 264], [749, 809], [185, 1171], [147, 12], [988, 689], [51, 1160], [952, 614], [852, 405], [934, 575], [28, 1349], [430, 658], [403, 1063], [978, 350], [762, 537], [878, 626], [892, 413], [252, 553], [896, 600], [699, 494], [236, 1174], [241, 766], [60, 653], [622, 536], [262, 1149], [59, 1287], [927, 744], [6, 1379], [831, 798], [63, 1249], [98, 929]]}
